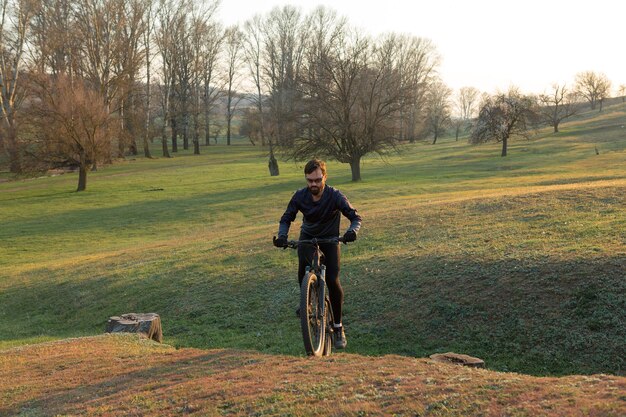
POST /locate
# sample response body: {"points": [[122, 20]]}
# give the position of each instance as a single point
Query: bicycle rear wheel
{"points": [[311, 316]]}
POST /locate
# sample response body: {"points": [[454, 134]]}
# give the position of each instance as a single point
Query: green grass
{"points": [[517, 260]]}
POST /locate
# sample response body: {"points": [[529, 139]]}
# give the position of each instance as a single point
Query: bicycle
{"points": [[316, 313]]}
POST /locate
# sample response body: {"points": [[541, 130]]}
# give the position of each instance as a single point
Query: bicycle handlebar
{"points": [[293, 244]]}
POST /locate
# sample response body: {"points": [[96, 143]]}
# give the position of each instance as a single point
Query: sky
{"points": [[489, 44]]}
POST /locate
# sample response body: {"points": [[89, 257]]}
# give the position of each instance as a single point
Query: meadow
{"points": [[518, 260]]}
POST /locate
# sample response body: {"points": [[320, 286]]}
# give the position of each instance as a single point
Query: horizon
{"points": [[520, 49]]}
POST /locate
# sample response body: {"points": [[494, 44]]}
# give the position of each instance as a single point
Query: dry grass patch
{"points": [[114, 375]]}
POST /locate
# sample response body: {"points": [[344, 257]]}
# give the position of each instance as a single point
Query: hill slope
{"points": [[114, 375], [517, 260]]}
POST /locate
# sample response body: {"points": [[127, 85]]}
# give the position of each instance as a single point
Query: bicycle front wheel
{"points": [[311, 316], [328, 336]]}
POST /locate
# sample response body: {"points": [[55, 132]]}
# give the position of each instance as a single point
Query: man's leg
{"points": [[332, 254]]}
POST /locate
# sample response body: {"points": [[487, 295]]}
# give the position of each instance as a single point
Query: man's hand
{"points": [[349, 236], [280, 242]]}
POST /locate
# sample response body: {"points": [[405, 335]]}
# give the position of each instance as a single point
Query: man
{"points": [[322, 207]]}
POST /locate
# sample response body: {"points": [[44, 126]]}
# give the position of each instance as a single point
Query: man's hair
{"points": [[314, 164]]}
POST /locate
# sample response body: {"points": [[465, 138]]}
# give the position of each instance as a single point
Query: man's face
{"points": [[315, 181]]}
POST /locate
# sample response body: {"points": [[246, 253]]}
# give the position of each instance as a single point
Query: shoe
{"points": [[340, 338]]}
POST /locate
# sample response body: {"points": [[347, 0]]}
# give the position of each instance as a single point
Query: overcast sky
{"points": [[490, 44]]}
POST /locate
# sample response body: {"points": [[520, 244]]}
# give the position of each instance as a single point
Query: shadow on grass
{"points": [[537, 316]]}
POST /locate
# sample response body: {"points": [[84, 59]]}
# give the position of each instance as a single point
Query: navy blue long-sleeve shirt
{"points": [[321, 218]]}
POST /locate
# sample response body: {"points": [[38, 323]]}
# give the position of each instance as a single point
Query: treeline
{"points": [[87, 81]]}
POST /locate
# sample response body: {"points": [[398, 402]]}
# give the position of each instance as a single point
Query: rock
{"points": [[148, 324], [458, 359]]}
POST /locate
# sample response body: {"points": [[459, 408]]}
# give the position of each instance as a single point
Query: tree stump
{"points": [[458, 359], [148, 324]]}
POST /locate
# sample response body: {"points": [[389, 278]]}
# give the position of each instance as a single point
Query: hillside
{"points": [[519, 260], [124, 375]]}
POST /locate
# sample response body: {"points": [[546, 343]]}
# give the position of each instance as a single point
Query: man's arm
{"points": [[288, 217], [350, 212]]}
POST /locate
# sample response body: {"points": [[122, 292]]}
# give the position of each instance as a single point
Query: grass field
{"points": [[518, 260]]}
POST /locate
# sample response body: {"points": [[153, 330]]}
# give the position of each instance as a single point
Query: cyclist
{"points": [[321, 206]]}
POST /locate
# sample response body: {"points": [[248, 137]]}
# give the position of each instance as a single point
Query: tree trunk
{"points": [[15, 161], [435, 138], [146, 147], [273, 163], [185, 134], [82, 177], [556, 127], [166, 152], [148, 324], [174, 135], [504, 145], [355, 167]]}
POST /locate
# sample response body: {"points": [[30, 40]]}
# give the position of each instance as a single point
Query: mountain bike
{"points": [[316, 313]]}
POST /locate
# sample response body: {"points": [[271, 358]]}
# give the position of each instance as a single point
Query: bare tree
{"points": [[557, 105], [594, 87], [285, 33], [438, 109], [234, 58], [169, 15], [130, 28], [74, 124], [465, 105], [212, 85], [55, 44], [503, 116], [15, 23], [202, 34], [254, 43], [622, 92], [417, 63], [149, 24], [354, 93]]}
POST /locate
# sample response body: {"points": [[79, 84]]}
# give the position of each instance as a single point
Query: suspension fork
{"points": [[322, 290]]}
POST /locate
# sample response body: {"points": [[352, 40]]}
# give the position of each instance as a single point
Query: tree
{"points": [[15, 23], [212, 91], [438, 109], [131, 25], [353, 95], [556, 106], [203, 34], [254, 42], [284, 46], [503, 116], [465, 105], [232, 43], [622, 92], [417, 63], [148, 21], [74, 124], [169, 17], [594, 87]]}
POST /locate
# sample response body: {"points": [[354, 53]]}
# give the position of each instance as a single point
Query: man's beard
{"points": [[315, 190]]}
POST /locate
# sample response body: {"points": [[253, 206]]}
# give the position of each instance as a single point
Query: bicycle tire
{"points": [[313, 326], [328, 337]]}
